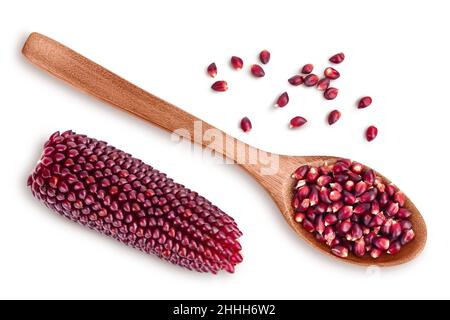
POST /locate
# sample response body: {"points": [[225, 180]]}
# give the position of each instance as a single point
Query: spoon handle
{"points": [[101, 83]]}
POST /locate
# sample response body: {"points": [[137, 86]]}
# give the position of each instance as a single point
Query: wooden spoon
{"points": [[95, 80]]}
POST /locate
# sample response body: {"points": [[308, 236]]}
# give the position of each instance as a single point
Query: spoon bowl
{"points": [[97, 81], [285, 185]]}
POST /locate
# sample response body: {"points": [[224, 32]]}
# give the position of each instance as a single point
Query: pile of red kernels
{"points": [[351, 209], [306, 78]]}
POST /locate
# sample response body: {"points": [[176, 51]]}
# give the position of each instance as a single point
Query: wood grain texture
{"points": [[97, 81]]}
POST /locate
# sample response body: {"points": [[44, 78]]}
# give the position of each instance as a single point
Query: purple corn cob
{"points": [[96, 185]]}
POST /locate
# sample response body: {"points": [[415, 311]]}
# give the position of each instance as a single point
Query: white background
{"points": [[396, 51]]}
